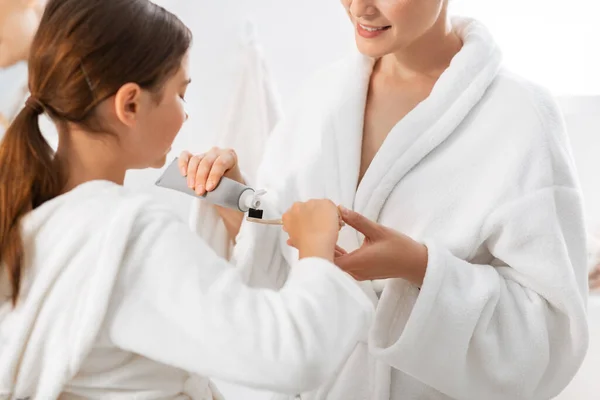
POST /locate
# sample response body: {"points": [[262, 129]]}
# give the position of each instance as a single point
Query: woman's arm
{"points": [[179, 304], [514, 329], [232, 219]]}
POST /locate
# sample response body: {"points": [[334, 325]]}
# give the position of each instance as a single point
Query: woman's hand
{"points": [[204, 171], [384, 254], [313, 228]]}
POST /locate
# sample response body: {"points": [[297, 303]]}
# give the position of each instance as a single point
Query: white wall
{"points": [[582, 115], [554, 42]]}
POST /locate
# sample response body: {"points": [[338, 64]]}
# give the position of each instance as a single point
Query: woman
{"points": [[104, 293], [477, 265]]}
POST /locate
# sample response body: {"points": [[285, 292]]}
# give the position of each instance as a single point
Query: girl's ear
{"points": [[127, 103]]}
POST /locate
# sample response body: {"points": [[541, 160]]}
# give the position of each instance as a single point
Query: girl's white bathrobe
{"points": [[120, 300], [481, 172]]}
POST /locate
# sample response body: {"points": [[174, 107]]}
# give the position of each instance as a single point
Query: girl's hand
{"points": [[313, 228], [204, 171]]}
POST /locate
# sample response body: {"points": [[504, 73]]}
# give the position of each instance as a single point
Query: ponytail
{"points": [[28, 178]]}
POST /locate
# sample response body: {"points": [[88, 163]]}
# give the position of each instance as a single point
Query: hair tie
{"points": [[34, 104]]}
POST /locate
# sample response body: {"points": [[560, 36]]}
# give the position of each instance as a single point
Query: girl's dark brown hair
{"points": [[82, 53]]}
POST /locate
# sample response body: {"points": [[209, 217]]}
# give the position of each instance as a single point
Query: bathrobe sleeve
{"points": [[515, 329], [176, 302]]}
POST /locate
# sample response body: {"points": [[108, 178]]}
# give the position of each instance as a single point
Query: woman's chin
{"points": [[371, 50]]}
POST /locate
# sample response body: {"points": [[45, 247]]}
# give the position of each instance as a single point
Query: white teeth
{"points": [[369, 29]]}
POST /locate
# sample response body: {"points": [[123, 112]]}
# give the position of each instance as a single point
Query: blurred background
{"points": [[250, 58]]}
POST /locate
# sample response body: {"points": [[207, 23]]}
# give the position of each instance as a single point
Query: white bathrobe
{"points": [[481, 172], [120, 299]]}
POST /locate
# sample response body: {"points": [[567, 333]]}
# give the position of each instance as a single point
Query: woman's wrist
{"points": [[414, 264], [232, 219]]}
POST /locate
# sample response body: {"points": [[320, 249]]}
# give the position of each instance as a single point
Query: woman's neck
{"points": [[84, 157], [427, 57]]}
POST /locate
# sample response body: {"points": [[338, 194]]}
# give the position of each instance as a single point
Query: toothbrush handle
{"points": [[276, 221], [265, 221]]}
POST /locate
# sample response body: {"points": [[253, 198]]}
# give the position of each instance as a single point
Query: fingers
{"points": [[222, 164], [183, 161], [192, 167], [354, 262], [338, 254], [362, 224], [202, 171], [339, 250], [205, 171]]}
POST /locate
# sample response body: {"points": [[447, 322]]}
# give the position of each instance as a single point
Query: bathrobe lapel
{"points": [[414, 137], [433, 121]]}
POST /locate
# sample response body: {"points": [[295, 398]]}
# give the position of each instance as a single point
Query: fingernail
{"points": [[200, 190], [210, 185], [190, 182], [343, 210], [183, 171]]}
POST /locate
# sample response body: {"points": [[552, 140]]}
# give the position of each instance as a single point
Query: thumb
{"points": [[359, 222]]}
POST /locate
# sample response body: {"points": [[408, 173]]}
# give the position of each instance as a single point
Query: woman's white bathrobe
{"points": [[121, 301], [481, 172]]}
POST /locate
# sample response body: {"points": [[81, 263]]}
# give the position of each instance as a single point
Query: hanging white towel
{"points": [[247, 121]]}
